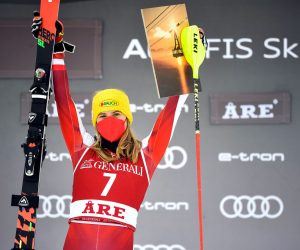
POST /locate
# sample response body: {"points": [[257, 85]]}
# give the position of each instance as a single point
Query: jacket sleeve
{"points": [[75, 135], [155, 145]]}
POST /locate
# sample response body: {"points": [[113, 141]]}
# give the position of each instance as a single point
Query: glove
{"points": [[60, 46], [59, 31], [36, 24]]}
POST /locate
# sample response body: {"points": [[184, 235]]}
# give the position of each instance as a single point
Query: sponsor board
{"points": [[230, 48], [263, 108]]}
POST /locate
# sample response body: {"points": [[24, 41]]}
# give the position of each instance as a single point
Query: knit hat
{"points": [[110, 99]]}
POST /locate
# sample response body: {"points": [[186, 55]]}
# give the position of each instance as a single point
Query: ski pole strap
{"points": [[26, 201], [22, 248], [197, 88]]}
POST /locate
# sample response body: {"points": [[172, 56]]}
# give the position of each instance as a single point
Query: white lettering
{"points": [[252, 157], [268, 45], [134, 49], [249, 111], [170, 206], [230, 111], [240, 45], [58, 157], [265, 110], [210, 47], [224, 157], [228, 54], [228, 48], [79, 107], [229, 45], [149, 108], [287, 50]]}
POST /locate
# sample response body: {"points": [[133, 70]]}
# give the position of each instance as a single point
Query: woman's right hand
{"points": [[36, 24]]}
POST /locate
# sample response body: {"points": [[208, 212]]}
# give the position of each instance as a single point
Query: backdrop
{"points": [[250, 120]]}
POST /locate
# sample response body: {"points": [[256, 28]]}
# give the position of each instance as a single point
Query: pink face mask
{"points": [[111, 128]]}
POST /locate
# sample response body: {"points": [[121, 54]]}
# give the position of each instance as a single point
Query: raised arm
{"points": [[155, 145], [73, 131], [71, 125]]}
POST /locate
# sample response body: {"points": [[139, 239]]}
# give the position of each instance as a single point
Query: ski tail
{"points": [[25, 231]]}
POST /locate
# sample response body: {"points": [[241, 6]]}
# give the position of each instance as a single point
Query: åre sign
{"points": [[262, 108]]}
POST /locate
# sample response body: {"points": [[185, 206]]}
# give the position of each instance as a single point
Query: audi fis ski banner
{"points": [[34, 147]]}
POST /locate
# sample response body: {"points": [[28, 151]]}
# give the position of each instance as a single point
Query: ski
{"points": [[35, 145]]}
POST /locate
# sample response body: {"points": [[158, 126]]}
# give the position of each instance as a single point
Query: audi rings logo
{"points": [[158, 247], [175, 157], [54, 206], [256, 207]]}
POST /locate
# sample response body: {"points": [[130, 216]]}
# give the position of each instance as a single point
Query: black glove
{"points": [[60, 46], [36, 24]]}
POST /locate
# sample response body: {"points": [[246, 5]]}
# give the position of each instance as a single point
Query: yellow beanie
{"points": [[110, 99]]}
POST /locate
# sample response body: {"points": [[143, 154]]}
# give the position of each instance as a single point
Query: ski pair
{"points": [[35, 145]]}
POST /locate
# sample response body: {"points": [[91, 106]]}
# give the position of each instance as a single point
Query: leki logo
{"points": [[108, 103], [195, 48]]}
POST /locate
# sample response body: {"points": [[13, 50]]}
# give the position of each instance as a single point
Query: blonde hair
{"points": [[129, 147]]}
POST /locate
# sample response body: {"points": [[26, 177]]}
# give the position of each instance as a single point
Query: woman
{"points": [[113, 172]]}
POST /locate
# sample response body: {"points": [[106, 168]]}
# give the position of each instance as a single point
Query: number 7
{"points": [[111, 180]]}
